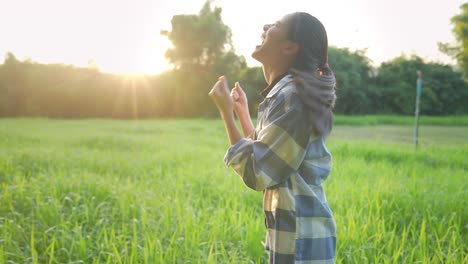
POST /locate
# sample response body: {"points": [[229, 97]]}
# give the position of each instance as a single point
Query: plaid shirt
{"points": [[289, 164]]}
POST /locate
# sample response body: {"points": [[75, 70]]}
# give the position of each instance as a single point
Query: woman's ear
{"points": [[290, 48]]}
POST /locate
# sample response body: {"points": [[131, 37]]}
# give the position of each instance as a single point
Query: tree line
{"points": [[201, 51]]}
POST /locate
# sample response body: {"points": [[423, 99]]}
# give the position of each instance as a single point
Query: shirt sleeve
{"points": [[278, 150]]}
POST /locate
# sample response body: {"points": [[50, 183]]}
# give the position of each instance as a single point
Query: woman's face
{"points": [[274, 40]]}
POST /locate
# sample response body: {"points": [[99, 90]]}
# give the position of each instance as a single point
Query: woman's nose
{"points": [[266, 27]]}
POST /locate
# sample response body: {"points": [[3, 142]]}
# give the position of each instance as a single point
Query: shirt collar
{"points": [[276, 85]]}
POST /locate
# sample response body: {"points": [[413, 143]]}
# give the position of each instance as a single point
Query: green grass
{"points": [[367, 120], [100, 191]]}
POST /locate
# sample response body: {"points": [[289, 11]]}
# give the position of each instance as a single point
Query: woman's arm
{"points": [[279, 148], [221, 96], [231, 129], [242, 109]]}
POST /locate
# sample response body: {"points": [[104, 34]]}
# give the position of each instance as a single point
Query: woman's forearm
{"points": [[246, 123], [230, 124]]}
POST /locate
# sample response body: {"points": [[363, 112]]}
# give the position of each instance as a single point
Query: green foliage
{"points": [[352, 71], [201, 52], [459, 50], [391, 88], [62, 91], [199, 55], [443, 90], [198, 39], [100, 191], [253, 82]]}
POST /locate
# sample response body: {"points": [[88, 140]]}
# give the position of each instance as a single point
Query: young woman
{"points": [[285, 155]]}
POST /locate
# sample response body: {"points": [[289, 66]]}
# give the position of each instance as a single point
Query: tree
{"points": [[12, 86], [459, 51], [352, 71], [443, 91], [197, 39], [201, 52], [253, 82]]}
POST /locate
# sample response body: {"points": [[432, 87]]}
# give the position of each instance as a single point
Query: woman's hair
{"points": [[315, 80]]}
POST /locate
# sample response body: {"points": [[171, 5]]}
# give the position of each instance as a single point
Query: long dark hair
{"points": [[314, 78]]}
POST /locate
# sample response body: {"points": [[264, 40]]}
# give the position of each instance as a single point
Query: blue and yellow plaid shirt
{"points": [[289, 164]]}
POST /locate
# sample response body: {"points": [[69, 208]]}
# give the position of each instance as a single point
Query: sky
{"points": [[123, 36]]}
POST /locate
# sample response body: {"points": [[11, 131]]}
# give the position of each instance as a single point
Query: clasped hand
{"points": [[226, 101]]}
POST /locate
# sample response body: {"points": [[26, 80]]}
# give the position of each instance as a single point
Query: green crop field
{"points": [[157, 191]]}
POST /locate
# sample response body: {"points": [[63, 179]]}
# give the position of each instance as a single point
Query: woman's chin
{"points": [[256, 54]]}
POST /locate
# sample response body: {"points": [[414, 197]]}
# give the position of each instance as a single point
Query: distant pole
{"points": [[416, 112]]}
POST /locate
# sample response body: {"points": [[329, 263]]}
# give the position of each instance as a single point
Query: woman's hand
{"points": [[221, 96], [242, 109], [240, 100]]}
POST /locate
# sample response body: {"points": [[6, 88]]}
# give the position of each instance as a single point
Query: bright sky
{"points": [[122, 36]]}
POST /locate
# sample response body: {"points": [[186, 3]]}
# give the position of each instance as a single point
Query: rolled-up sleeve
{"points": [[279, 149]]}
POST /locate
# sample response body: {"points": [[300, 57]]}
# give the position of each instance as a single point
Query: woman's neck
{"points": [[271, 73]]}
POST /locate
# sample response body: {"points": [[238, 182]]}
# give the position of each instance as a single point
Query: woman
{"points": [[285, 156]]}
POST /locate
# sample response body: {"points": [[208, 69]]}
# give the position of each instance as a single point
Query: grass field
{"points": [[366, 120], [101, 191]]}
